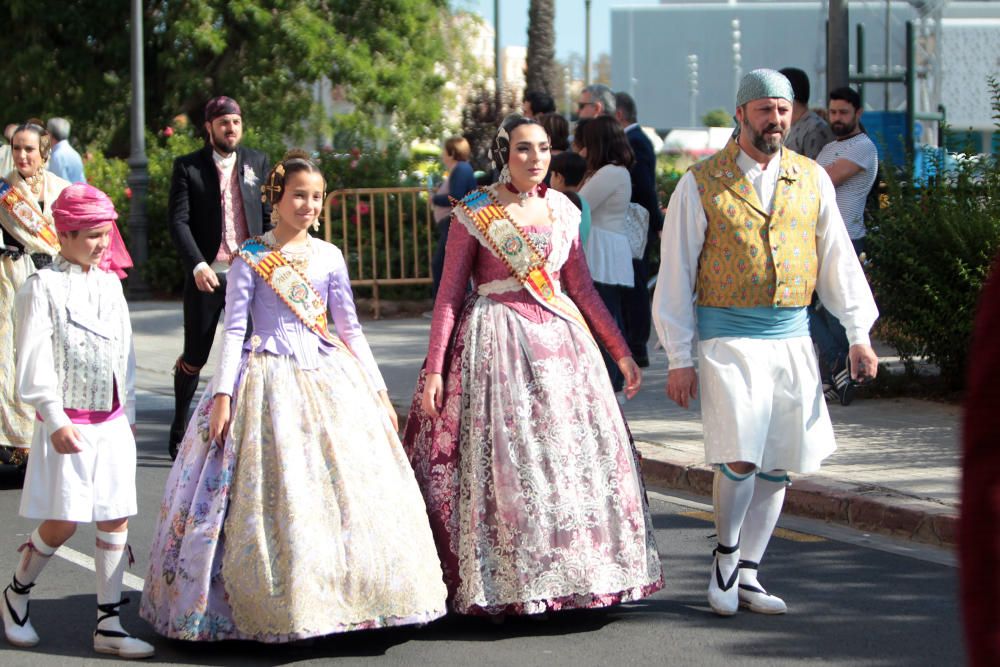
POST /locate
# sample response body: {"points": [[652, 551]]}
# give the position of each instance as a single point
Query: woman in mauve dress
{"points": [[517, 441]]}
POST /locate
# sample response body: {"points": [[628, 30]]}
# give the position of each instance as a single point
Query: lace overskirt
{"points": [[530, 475], [307, 522]]}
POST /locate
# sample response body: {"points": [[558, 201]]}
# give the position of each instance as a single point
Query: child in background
{"points": [[568, 170]]}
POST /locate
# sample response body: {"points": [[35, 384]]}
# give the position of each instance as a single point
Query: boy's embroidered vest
{"points": [[751, 258], [90, 349]]}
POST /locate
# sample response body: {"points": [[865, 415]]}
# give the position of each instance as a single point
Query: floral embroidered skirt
{"points": [[17, 419], [307, 522], [530, 475]]}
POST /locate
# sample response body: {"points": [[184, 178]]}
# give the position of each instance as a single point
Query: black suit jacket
{"points": [[643, 172], [195, 206]]}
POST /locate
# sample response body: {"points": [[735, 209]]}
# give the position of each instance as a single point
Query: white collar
{"points": [[224, 162], [630, 127], [751, 168], [69, 267]]}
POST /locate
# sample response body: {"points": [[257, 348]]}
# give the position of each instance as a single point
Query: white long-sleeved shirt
{"points": [[70, 360], [609, 256], [840, 282]]}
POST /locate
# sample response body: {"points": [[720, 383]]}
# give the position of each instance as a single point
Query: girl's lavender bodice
{"points": [[276, 329]]}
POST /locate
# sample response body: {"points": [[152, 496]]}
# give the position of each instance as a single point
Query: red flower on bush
{"points": [[168, 131], [363, 209], [128, 193]]}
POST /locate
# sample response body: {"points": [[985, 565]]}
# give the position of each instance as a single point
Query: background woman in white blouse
{"points": [[608, 189]]}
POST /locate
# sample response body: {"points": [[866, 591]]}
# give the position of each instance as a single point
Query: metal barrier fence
{"points": [[385, 235]]}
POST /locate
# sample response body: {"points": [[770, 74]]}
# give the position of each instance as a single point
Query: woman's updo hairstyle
{"points": [[38, 127], [500, 149], [295, 160]]}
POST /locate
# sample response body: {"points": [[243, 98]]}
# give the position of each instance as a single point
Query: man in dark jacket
{"points": [[215, 204], [635, 305]]}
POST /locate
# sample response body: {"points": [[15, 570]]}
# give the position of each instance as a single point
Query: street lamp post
{"points": [[837, 45], [498, 98], [138, 178], [586, 46], [693, 87], [737, 56]]}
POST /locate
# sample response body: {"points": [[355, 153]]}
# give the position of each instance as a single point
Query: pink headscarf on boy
{"points": [[82, 206]]}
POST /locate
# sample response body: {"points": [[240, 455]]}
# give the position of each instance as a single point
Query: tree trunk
{"points": [[542, 73]]}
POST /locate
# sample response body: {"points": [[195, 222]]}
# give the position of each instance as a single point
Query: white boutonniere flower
{"points": [[249, 177]]}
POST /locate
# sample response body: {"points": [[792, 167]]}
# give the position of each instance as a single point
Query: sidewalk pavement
{"points": [[896, 470]]}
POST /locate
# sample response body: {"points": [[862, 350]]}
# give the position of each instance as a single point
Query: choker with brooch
{"points": [[538, 190]]}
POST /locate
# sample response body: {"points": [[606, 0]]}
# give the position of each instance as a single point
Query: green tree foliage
{"points": [[542, 73], [931, 245], [71, 58], [717, 118]]}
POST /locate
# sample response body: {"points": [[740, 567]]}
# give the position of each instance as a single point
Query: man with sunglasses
{"points": [[595, 100]]}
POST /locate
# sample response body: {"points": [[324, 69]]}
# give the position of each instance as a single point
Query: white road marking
{"points": [[85, 561]]}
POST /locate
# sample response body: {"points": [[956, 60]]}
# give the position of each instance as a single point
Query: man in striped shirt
{"points": [[852, 163]]}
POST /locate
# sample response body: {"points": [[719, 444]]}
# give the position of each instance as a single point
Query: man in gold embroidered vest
{"points": [[749, 235]]}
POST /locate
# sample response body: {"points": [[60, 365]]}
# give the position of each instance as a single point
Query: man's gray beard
{"points": [[761, 144]]}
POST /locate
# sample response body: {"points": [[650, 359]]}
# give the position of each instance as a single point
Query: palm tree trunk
{"points": [[542, 73]]}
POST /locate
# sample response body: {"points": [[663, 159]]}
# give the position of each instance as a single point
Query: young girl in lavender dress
{"points": [[291, 511], [515, 435]]}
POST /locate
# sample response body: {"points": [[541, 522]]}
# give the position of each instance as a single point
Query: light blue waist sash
{"points": [[758, 322]]}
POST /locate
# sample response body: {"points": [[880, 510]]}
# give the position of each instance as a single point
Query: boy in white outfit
{"points": [[75, 367]]}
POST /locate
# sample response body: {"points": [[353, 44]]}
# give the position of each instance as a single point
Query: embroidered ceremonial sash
{"points": [[512, 247], [26, 216], [291, 286]]}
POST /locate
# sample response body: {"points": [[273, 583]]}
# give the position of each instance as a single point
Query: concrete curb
{"points": [[867, 508], [862, 507]]}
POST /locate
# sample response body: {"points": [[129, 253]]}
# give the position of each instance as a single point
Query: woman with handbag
{"points": [[526, 464]]}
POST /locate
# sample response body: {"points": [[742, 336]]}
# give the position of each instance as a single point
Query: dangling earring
{"points": [[315, 225], [275, 218], [504, 175]]}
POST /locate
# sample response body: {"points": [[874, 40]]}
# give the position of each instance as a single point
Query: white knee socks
{"points": [[761, 518], [732, 493], [110, 560], [35, 555]]}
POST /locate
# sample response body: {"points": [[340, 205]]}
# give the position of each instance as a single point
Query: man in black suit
{"points": [[215, 205], [635, 304]]}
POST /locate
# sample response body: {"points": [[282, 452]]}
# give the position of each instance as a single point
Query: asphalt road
{"points": [[853, 600]]}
